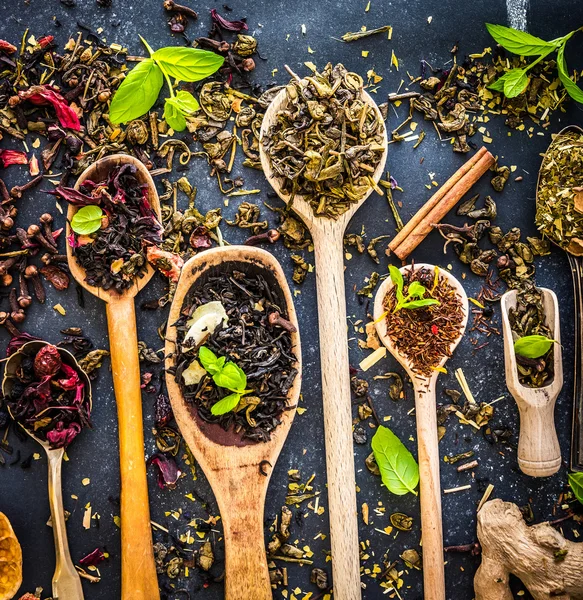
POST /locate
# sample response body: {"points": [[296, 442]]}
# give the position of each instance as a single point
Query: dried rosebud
{"points": [[248, 64], [47, 362]]}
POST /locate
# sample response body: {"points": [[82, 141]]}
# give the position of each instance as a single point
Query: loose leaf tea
{"points": [[559, 207], [239, 371], [327, 141], [399, 470], [114, 254], [48, 397]]}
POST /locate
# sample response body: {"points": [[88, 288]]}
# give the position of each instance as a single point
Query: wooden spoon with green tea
{"points": [[559, 217], [138, 568], [328, 235], [237, 471]]}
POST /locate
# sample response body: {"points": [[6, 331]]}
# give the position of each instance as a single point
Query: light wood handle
{"points": [[66, 582], [576, 264], [337, 415], [241, 505], [430, 492], [138, 569], [539, 453]]}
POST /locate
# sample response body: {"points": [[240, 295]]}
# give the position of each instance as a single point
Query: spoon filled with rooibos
{"points": [[233, 371]]}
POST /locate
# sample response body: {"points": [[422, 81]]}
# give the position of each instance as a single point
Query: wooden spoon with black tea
{"points": [[238, 472]]}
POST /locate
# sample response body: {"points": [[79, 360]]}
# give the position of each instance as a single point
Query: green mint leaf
{"points": [[420, 303], [515, 82], [209, 360], [185, 102], [519, 42], [399, 470], [397, 279], [498, 85], [533, 346], [188, 64], [576, 483], [231, 377], [226, 404], [137, 93], [572, 88], [416, 290], [174, 116], [87, 219]]}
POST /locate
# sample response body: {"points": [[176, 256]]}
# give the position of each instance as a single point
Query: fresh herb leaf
{"points": [[519, 42], [515, 82], [185, 102], [87, 219], [231, 377], [397, 279], [226, 404], [498, 85], [210, 361], [420, 303], [416, 290], [173, 116], [576, 483], [137, 93], [399, 470], [188, 64], [572, 88], [533, 346]]}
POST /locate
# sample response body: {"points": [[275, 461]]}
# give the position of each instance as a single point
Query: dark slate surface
{"points": [[23, 493]]}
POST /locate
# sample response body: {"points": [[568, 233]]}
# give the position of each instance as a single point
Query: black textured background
{"points": [[23, 495]]}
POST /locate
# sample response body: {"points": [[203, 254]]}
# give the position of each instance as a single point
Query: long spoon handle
{"points": [[337, 415], [66, 581], [430, 488], [576, 263], [138, 569]]}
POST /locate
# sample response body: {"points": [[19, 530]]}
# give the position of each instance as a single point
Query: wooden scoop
{"points": [[427, 441], [328, 235], [66, 582], [539, 454], [576, 264], [238, 472], [138, 569]]}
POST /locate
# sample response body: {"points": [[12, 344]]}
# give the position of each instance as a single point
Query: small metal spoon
{"points": [[66, 581]]}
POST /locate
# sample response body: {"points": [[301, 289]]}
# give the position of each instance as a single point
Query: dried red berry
{"points": [[47, 362], [434, 330]]}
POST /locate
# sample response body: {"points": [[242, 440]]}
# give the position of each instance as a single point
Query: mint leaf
{"points": [[137, 93], [572, 88], [87, 219], [209, 360], [174, 116], [416, 290], [188, 64], [420, 303], [533, 346], [397, 279], [231, 377], [399, 470], [226, 404], [520, 42], [576, 483], [498, 85], [515, 82], [185, 102]]}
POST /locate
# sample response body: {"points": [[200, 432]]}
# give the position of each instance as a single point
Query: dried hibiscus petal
{"points": [[168, 263], [93, 558], [200, 238], [226, 24], [13, 157], [168, 471], [56, 276], [18, 341], [61, 436], [44, 94], [72, 379], [47, 361], [7, 47]]}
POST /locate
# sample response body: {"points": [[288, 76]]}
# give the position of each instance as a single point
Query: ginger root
{"points": [[550, 566]]}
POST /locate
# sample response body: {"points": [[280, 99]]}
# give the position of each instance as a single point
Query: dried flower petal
{"points": [[226, 24], [168, 471], [44, 94]]}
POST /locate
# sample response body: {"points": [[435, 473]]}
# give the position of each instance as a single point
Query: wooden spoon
{"points": [[138, 569], [427, 441], [576, 264], [328, 235], [66, 581], [539, 453], [237, 472]]}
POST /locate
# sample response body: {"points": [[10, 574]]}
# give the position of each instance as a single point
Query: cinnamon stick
{"points": [[436, 198], [424, 218]]}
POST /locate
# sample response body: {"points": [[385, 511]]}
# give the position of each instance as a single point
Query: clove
{"points": [[8, 324], [17, 315], [170, 5], [275, 319], [24, 299], [17, 191], [31, 272], [34, 233], [271, 236], [46, 220]]}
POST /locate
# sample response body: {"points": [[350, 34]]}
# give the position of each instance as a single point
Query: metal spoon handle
{"points": [[66, 581], [576, 263]]}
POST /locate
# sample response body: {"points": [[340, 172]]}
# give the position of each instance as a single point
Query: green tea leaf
{"points": [[137, 93], [397, 279], [398, 468], [211, 363], [226, 404], [87, 219], [533, 346], [416, 290], [231, 377], [188, 64], [515, 82], [174, 116], [420, 303], [572, 88], [519, 42], [576, 483]]}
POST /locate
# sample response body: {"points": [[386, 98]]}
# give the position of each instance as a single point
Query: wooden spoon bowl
{"points": [[328, 235], [66, 583], [238, 472], [427, 441], [138, 580]]}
